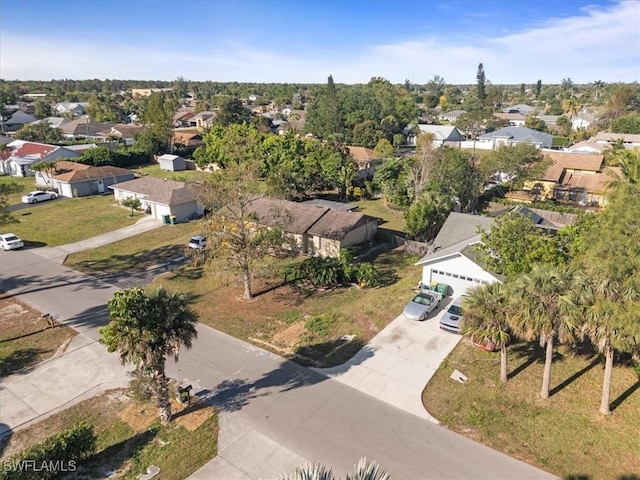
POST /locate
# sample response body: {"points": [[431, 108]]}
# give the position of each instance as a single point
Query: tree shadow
{"points": [[233, 395], [126, 264], [29, 245], [328, 354], [574, 377], [624, 395], [19, 360], [115, 456], [533, 353], [22, 284]]}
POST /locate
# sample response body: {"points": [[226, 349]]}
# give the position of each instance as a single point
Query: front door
{"points": [[100, 186]]}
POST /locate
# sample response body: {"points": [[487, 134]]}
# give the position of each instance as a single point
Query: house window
{"points": [[573, 195], [560, 194]]}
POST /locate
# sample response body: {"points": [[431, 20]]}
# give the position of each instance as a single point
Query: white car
{"points": [[9, 241], [38, 196], [198, 242]]}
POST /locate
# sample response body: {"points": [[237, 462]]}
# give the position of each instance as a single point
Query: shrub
{"points": [[366, 275], [53, 456]]}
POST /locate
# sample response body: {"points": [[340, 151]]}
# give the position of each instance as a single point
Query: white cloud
{"points": [[603, 43]]}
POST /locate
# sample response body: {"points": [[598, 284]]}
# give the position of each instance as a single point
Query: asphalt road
{"points": [[315, 417], [22, 206]]}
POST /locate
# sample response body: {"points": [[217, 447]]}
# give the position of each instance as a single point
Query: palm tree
{"points": [[486, 319], [146, 326], [629, 163], [364, 470], [548, 299]]}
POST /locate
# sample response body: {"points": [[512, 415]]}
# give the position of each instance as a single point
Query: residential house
{"points": [[314, 230], [451, 259], [146, 92], [202, 120], [588, 147], [125, 132], [451, 116], [160, 198], [17, 159], [17, 120], [85, 127], [515, 119], [442, 134], [366, 159], [181, 119], [54, 122], [574, 178], [520, 108], [73, 109], [607, 138], [171, 163], [582, 121], [515, 135], [189, 137], [71, 179]]}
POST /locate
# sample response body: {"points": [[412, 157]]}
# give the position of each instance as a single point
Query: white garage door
{"points": [[458, 284]]}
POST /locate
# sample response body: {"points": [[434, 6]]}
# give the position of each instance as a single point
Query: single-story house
{"points": [[84, 127], [515, 135], [71, 179], [74, 109], [171, 163], [629, 140], [20, 155], [202, 120], [516, 119], [54, 122], [588, 147], [160, 197], [451, 259], [366, 159], [181, 119], [189, 137], [451, 116], [442, 134], [124, 131], [315, 230], [18, 120]]}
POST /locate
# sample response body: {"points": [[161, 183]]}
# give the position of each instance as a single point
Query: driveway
{"points": [[22, 206], [397, 363]]}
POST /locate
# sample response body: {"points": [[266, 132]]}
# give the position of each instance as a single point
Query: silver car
{"points": [[422, 305], [452, 319], [39, 196], [9, 241]]}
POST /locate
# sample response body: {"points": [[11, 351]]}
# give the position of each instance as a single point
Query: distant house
{"points": [[451, 116], [588, 147], [53, 122], [171, 163], [17, 120], [522, 108], [366, 159], [20, 155], [75, 109], [189, 137], [582, 121], [515, 135], [607, 138], [202, 120], [72, 179], [84, 127], [160, 197], [125, 132], [442, 134], [181, 119], [515, 119], [314, 230], [146, 92]]}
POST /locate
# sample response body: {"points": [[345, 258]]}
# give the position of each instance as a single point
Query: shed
{"points": [[172, 163]]}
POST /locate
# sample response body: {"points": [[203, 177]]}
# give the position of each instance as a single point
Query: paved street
{"points": [[274, 413]]}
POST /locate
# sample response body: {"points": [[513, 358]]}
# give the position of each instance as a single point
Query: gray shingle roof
{"points": [[166, 192], [520, 135]]}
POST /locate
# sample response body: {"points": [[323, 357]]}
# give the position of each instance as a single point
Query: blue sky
{"points": [[303, 41]]}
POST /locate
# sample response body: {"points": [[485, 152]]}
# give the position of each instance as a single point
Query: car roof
{"points": [[3, 235], [198, 237]]}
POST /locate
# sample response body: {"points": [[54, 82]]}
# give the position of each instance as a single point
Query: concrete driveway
{"points": [[397, 363]]}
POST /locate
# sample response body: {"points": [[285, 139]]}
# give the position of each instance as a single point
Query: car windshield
{"points": [[195, 240], [10, 238], [455, 310], [423, 299]]}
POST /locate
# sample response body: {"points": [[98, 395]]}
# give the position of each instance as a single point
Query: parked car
{"points": [[422, 305], [9, 241], [198, 241], [38, 196], [451, 320]]}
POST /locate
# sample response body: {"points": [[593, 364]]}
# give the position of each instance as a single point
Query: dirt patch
{"points": [[291, 336], [139, 416], [191, 416]]}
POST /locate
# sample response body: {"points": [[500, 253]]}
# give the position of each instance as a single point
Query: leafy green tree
{"points": [[367, 134], [106, 108], [536, 123], [629, 163], [147, 326], [231, 111], [453, 175], [426, 215], [521, 162], [538, 89], [158, 111], [7, 189], [612, 261], [234, 234], [338, 170], [131, 202], [48, 167], [40, 132], [480, 83], [513, 245], [150, 143], [390, 178], [42, 108], [324, 118], [231, 145], [384, 148], [486, 320], [564, 125], [629, 123], [549, 299]]}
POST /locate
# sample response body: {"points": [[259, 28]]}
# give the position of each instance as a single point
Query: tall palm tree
{"points": [[548, 299], [486, 319], [146, 326], [364, 470], [629, 163]]}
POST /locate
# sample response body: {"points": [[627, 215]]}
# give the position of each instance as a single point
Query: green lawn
{"points": [[26, 183], [137, 252], [69, 220], [565, 434], [181, 176], [393, 218]]}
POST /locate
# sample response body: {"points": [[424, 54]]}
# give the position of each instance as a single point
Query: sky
{"points": [[305, 41]]}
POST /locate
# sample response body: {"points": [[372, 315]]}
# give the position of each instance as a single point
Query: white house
{"points": [[160, 198], [442, 134], [19, 157], [515, 135], [451, 260]]}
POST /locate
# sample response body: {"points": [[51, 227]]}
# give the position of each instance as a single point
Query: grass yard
{"points": [[137, 252], [181, 176], [306, 325], [393, 218], [25, 338], [69, 220], [130, 438], [26, 183], [565, 434]]}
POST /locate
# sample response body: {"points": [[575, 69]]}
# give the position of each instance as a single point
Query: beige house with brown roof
{"points": [[71, 179], [315, 230], [160, 198]]}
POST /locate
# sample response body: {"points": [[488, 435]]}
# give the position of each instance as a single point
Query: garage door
{"points": [[458, 284]]}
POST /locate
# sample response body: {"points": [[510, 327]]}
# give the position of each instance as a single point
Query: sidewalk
{"points": [[59, 254]]}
